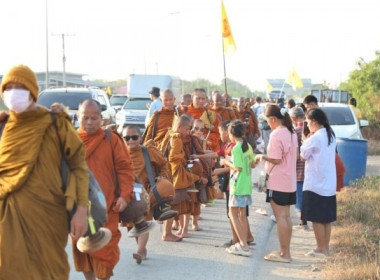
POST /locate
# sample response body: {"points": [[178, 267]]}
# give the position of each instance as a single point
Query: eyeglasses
{"points": [[133, 137], [198, 128]]}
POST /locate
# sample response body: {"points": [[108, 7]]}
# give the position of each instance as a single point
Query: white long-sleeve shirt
{"points": [[320, 170], [156, 105]]}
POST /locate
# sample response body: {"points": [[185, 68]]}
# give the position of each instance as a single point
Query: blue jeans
{"points": [[299, 195]]}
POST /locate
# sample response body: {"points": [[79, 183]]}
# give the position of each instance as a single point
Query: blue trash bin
{"points": [[353, 153]]}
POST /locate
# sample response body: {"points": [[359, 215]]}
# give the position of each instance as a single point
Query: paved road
{"points": [[201, 257]]}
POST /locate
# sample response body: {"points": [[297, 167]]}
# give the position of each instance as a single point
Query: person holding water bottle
{"points": [[240, 186]]}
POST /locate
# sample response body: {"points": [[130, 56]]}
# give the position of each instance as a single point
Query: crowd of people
{"points": [[192, 148]]}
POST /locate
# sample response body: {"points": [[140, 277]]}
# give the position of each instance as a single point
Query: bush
{"points": [[356, 235]]}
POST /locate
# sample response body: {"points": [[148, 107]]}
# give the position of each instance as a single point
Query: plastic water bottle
{"points": [[261, 180]]}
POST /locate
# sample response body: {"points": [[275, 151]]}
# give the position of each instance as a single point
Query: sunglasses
{"points": [[133, 137], [197, 128]]}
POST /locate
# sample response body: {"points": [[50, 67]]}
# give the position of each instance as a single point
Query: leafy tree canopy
{"points": [[364, 85]]}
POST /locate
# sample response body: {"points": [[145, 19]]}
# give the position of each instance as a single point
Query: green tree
{"points": [[364, 85]]}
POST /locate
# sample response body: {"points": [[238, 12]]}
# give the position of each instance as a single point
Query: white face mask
{"points": [[17, 100]]}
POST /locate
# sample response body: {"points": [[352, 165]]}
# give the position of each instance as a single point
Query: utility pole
{"points": [[63, 56], [47, 47]]}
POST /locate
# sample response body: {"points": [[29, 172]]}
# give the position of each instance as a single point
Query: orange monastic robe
{"points": [[249, 118], [104, 158], [211, 124], [226, 114], [160, 168], [157, 129]]}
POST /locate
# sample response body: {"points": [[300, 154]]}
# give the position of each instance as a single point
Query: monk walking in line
{"points": [[198, 110], [184, 174], [107, 159], [33, 218], [164, 186], [163, 120]]}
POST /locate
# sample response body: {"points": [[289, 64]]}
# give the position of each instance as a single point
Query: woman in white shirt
{"points": [[319, 200]]}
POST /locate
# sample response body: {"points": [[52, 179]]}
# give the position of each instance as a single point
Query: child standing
{"points": [[240, 186]]}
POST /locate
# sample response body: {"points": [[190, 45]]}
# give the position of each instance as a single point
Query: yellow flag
{"points": [[228, 39], [269, 87], [294, 80], [109, 90]]}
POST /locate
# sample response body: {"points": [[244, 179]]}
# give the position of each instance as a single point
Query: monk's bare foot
{"points": [[184, 235], [143, 254], [195, 228], [175, 225], [171, 238]]}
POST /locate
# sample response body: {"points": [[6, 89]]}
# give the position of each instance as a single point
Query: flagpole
{"points": [[224, 67]]}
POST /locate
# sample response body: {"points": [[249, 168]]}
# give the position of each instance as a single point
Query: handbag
{"points": [[223, 180], [138, 207], [97, 214], [202, 194]]}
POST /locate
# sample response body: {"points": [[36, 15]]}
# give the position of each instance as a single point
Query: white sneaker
{"points": [[273, 218], [262, 211]]}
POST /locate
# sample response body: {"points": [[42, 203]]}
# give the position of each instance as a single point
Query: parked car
{"points": [[72, 97], [343, 120], [117, 101], [134, 112]]}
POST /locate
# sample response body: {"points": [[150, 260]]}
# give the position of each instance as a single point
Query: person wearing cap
{"points": [[33, 218], [156, 104]]}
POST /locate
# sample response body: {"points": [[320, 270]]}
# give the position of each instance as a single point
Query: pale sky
{"points": [[321, 39]]}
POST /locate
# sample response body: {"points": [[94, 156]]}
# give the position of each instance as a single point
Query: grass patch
{"points": [[355, 236]]}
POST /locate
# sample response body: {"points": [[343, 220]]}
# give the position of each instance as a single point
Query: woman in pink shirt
{"points": [[281, 169]]}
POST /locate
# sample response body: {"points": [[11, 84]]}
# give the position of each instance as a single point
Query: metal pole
{"points": [[64, 61], [224, 67], [47, 48]]}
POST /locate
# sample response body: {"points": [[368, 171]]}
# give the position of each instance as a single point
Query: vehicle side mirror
{"points": [[103, 107], [363, 123]]}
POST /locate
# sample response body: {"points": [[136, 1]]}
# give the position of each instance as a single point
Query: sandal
{"points": [[238, 250], [275, 257]]}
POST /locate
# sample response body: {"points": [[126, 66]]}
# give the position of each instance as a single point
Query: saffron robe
{"points": [[211, 122], [226, 114], [106, 158], [166, 120], [33, 217]]}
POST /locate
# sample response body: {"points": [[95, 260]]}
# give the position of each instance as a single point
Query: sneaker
{"points": [[313, 253], [262, 211], [273, 218], [238, 250], [94, 242]]}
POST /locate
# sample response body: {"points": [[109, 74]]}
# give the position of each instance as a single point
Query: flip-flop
{"points": [[137, 257], [275, 257]]}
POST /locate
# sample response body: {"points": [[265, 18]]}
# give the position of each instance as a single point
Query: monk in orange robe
{"points": [[163, 120], [198, 111], [33, 218], [106, 158], [184, 176], [191, 146], [161, 170], [246, 115], [225, 113]]}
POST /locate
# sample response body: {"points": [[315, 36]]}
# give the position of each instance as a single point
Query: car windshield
{"points": [[118, 100], [66, 98], [137, 104], [339, 115]]}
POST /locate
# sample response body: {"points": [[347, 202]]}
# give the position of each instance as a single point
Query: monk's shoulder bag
{"points": [[97, 214]]}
